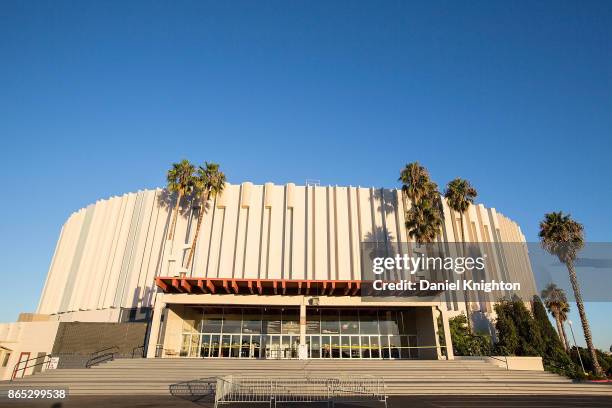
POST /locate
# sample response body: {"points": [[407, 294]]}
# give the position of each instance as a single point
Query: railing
{"points": [[237, 389], [142, 352], [17, 367], [505, 360], [101, 356], [385, 353], [324, 352]]}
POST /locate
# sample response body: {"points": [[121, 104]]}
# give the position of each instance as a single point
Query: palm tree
{"points": [[555, 300], [423, 221], [563, 237], [180, 181], [415, 182], [424, 218], [460, 195], [563, 311], [208, 182]]}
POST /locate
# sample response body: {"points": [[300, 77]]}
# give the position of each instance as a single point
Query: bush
{"points": [[605, 360], [521, 333], [518, 333], [466, 343], [553, 354]]}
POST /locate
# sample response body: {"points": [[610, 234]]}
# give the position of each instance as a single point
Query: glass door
{"points": [[315, 347], [235, 347], [345, 347], [255, 346], [226, 345], [374, 347], [205, 346], [355, 347], [326, 347], [214, 345]]}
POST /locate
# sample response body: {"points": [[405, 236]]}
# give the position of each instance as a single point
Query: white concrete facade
{"points": [[110, 252]]}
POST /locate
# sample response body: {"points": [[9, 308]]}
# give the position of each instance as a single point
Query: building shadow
{"points": [[200, 391]]}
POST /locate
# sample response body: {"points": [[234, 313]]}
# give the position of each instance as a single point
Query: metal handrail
{"points": [[104, 349], [97, 358], [499, 359], [136, 348], [26, 366]]}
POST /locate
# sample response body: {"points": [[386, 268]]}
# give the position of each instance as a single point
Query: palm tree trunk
{"points": [[583, 318], [567, 346], [408, 248], [175, 216], [197, 233], [560, 331], [465, 297]]}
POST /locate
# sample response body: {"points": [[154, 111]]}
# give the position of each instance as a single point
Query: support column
{"points": [[158, 310], [303, 348], [447, 334], [427, 333]]}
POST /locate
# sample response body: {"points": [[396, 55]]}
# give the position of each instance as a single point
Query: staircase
{"points": [[402, 377]]}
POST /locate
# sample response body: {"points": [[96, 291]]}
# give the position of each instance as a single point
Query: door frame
{"points": [[18, 365]]}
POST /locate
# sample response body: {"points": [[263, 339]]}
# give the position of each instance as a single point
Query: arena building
{"points": [[277, 273]]}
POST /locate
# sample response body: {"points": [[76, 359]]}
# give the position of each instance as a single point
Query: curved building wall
{"points": [[109, 253]]}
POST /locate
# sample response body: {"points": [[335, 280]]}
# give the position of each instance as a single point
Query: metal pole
{"points": [[575, 345]]}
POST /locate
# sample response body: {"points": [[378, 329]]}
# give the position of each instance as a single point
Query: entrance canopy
{"points": [[259, 286]]}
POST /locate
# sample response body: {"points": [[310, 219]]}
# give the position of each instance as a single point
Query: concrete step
{"points": [[415, 377]]}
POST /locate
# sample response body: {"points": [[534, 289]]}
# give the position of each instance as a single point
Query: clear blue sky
{"points": [[98, 98]]}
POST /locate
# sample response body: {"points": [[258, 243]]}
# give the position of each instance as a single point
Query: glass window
{"points": [[232, 320], [272, 321], [212, 320], [368, 321], [291, 321], [349, 321], [414, 352], [251, 320], [192, 319], [405, 351], [395, 343], [6, 359], [329, 321], [388, 322], [313, 321], [408, 321]]}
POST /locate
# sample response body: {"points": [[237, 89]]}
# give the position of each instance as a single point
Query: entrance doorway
{"points": [[274, 333]]}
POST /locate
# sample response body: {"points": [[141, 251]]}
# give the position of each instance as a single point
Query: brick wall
{"points": [[76, 341]]}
